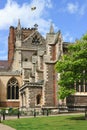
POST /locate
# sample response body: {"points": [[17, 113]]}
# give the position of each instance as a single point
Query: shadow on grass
{"points": [[77, 118]]}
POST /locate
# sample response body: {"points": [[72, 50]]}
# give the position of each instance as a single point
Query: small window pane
{"points": [[8, 92], [12, 89], [12, 92], [17, 92]]}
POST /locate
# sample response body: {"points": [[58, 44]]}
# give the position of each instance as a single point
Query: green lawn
{"points": [[75, 122]]}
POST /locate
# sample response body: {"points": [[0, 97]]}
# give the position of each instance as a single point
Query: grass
{"points": [[70, 122]]}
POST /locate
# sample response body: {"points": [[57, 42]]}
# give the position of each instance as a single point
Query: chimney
{"points": [[11, 45]]}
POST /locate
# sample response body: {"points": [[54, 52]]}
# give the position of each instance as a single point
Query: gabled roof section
{"points": [[35, 39], [25, 32], [38, 84], [34, 34]]}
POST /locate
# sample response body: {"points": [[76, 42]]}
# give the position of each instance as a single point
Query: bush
{"points": [[9, 111]]}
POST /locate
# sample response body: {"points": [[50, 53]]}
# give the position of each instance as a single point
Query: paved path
{"points": [[5, 127]]}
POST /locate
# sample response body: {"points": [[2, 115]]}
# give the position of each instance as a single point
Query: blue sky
{"points": [[69, 16]]}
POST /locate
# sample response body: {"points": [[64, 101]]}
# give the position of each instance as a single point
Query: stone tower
{"points": [[50, 59]]}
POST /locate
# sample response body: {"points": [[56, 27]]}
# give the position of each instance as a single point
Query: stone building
{"points": [[28, 78]]}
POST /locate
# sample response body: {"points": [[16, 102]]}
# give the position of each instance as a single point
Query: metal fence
{"points": [[12, 113]]}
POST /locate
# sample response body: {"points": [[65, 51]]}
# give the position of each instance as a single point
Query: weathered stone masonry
{"points": [[31, 63]]}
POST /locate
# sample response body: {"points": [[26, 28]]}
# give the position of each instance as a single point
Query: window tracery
{"points": [[13, 89], [35, 40]]}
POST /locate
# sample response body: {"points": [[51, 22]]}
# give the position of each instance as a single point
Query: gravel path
{"points": [[5, 127]]}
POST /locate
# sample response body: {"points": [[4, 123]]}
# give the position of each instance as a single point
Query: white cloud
{"points": [[83, 9], [12, 12], [77, 8], [49, 4], [67, 37], [2, 51], [3, 57], [72, 7]]}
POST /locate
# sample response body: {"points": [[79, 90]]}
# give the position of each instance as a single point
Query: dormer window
{"points": [[36, 40]]}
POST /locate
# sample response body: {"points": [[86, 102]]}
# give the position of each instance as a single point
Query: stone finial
{"points": [[19, 25], [60, 35], [36, 26], [18, 33], [51, 28]]}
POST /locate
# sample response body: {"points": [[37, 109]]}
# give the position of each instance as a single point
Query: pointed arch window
{"points": [[12, 89]]}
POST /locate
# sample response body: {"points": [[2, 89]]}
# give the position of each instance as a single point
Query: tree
{"points": [[72, 67]]}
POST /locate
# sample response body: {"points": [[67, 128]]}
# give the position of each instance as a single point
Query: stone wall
{"points": [[50, 86], [77, 100], [10, 104], [27, 55], [33, 92]]}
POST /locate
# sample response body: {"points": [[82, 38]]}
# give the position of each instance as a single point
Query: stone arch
{"points": [[13, 89]]}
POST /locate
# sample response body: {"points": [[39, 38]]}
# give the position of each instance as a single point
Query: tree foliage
{"points": [[72, 67]]}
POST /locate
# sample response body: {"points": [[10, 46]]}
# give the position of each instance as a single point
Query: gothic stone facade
{"points": [[28, 78]]}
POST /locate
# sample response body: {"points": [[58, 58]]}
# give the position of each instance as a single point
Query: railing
{"points": [[71, 108], [34, 112]]}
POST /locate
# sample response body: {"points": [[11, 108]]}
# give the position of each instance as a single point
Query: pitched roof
{"points": [[3, 64]]}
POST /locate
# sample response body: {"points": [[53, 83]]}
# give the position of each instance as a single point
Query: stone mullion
{"points": [[10, 92], [15, 92]]}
